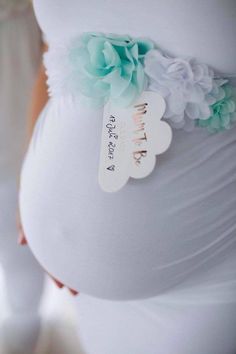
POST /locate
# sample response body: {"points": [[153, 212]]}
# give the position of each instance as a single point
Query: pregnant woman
{"points": [[153, 255]]}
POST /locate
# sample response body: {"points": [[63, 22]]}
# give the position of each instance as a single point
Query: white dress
{"points": [[165, 244], [19, 59]]}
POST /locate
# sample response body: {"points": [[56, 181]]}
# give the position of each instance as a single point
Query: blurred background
{"points": [[58, 331]]}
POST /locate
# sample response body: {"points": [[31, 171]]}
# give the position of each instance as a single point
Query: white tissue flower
{"points": [[185, 85]]}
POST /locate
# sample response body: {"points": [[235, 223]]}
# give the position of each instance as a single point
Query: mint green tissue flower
{"points": [[223, 112], [109, 67]]}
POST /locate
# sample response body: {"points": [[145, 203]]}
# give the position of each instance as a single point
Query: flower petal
{"points": [[111, 56]]}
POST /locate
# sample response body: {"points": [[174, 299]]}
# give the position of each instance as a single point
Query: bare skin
{"points": [[38, 100]]}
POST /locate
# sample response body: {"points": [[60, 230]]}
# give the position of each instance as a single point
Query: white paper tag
{"points": [[131, 139]]}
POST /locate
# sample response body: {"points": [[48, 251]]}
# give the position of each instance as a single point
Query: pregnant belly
{"points": [[142, 240]]}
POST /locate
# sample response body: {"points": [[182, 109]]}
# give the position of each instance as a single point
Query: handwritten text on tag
{"points": [[131, 139]]}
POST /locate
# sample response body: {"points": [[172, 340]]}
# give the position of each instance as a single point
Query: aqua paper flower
{"points": [[109, 67], [223, 111]]}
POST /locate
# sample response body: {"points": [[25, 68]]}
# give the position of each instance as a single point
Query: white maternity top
{"points": [[155, 233]]}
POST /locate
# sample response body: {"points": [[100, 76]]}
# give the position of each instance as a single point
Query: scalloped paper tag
{"points": [[131, 139]]}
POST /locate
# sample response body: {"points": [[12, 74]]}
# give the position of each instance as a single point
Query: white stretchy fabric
{"points": [[19, 59], [167, 239]]}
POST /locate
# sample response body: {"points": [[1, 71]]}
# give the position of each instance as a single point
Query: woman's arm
{"points": [[38, 99]]}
